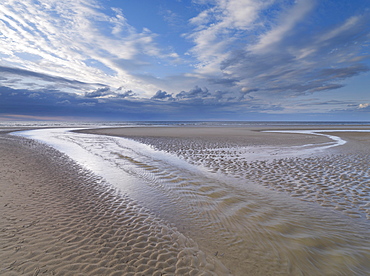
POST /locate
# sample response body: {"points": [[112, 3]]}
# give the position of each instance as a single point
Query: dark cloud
{"points": [[271, 73], [107, 93], [249, 90], [313, 103], [194, 93], [197, 95], [45, 77], [126, 94], [215, 106], [296, 65], [21, 101], [100, 92], [224, 82], [327, 87], [162, 95], [345, 72], [44, 103], [204, 96]]}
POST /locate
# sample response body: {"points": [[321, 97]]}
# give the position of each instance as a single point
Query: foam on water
{"points": [[249, 228]]}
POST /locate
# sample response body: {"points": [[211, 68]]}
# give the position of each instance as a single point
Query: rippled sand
{"points": [[338, 181], [331, 178], [59, 219], [312, 219]]}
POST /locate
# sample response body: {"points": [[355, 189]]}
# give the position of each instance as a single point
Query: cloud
{"points": [[196, 92], [174, 20], [63, 35], [34, 95], [86, 104], [22, 102], [46, 77], [278, 50], [65, 102], [288, 73], [240, 56], [105, 92], [364, 105], [224, 81], [345, 72], [268, 41], [126, 94], [199, 105], [162, 95], [100, 92], [22, 117], [219, 27]]}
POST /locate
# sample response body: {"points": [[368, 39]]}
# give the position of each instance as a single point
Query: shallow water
{"points": [[225, 209]]}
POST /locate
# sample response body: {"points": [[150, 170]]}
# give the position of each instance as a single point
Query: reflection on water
{"points": [[252, 230]]}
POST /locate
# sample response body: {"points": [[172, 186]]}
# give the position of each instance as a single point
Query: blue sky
{"points": [[185, 60]]}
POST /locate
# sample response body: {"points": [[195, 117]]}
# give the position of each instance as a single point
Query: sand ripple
{"points": [[340, 182], [62, 220], [246, 227]]}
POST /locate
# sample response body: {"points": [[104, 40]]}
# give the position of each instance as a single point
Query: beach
{"points": [[331, 176], [250, 202], [58, 219]]}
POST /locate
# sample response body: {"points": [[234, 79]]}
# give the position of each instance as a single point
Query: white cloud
{"points": [[217, 28], [289, 20], [347, 25], [66, 33], [87, 104], [365, 105], [65, 102], [240, 14]]}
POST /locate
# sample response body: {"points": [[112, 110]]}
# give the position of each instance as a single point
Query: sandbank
{"points": [[241, 136]]}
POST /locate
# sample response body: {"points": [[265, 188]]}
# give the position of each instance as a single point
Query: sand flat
{"points": [[309, 217], [333, 176], [58, 219], [301, 231], [226, 135]]}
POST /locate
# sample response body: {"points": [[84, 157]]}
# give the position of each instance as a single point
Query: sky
{"points": [[265, 60]]}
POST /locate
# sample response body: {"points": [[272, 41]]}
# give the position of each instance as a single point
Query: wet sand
{"points": [[338, 178], [208, 136], [59, 219], [312, 233]]}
